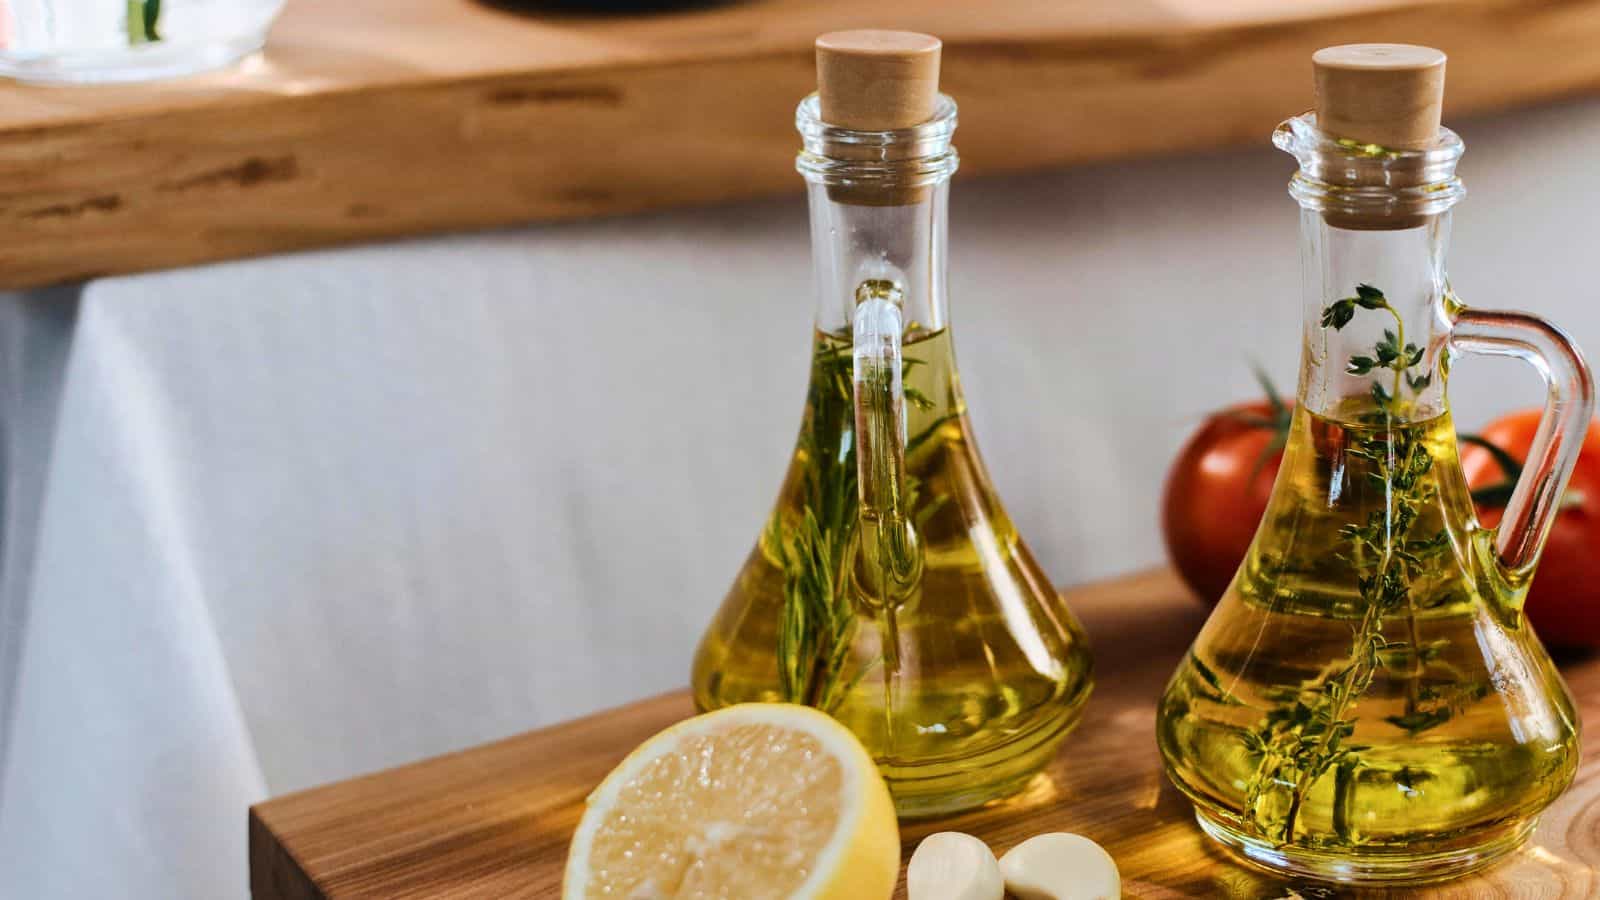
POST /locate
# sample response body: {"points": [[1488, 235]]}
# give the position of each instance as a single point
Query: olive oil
{"points": [[1367, 689], [963, 684]]}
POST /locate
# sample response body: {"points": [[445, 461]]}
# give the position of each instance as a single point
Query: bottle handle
{"points": [[1569, 405], [888, 540]]}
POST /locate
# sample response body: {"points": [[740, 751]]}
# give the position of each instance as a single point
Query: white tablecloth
{"points": [[273, 523]]}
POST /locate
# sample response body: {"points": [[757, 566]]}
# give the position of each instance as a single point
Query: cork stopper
{"points": [[1384, 94], [873, 80]]}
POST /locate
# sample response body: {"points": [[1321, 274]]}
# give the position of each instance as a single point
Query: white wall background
{"points": [[308, 516]]}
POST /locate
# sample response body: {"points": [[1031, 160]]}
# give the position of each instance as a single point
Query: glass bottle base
{"points": [[1368, 867], [145, 62], [944, 787]]}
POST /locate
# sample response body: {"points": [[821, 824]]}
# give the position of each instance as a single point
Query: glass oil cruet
{"points": [[1367, 704], [888, 586]]}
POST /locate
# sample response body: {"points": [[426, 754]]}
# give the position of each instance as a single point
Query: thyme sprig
{"points": [[1309, 733], [1393, 352]]}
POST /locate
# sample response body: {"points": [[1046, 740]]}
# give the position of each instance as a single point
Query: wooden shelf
{"points": [[369, 119], [495, 821]]}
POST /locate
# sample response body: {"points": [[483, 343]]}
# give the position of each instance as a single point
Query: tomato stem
{"points": [[1499, 493], [1279, 422]]}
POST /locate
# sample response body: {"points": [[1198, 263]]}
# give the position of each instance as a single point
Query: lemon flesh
{"points": [[750, 802]]}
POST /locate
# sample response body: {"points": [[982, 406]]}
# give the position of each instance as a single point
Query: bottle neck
{"points": [[878, 216], [1374, 228], [1376, 319], [903, 244]]}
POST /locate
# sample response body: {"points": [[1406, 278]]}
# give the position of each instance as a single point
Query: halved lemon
{"points": [[751, 802]]}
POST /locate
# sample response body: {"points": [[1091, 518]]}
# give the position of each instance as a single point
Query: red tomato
{"points": [[1217, 491], [1564, 601]]}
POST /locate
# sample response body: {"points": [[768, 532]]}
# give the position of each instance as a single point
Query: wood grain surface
{"points": [[493, 822], [370, 119]]}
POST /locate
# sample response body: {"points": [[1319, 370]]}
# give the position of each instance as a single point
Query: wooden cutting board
{"points": [[494, 821], [370, 119]]}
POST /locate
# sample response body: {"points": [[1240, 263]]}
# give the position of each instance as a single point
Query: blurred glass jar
{"points": [[91, 41]]}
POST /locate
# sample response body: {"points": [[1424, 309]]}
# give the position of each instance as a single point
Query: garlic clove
{"points": [[1060, 866], [953, 866]]}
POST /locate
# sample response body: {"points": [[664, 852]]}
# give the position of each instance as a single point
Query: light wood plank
{"points": [[372, 119], [495, 821]]}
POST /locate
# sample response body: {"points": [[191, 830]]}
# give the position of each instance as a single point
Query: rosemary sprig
{"points": [[818, 621], [1308, 734]]}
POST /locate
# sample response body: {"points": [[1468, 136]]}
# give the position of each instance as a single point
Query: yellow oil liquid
{"points": [[1367, 699], [961, 689]]}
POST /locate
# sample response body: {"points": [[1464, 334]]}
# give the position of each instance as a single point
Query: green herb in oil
{"points": [[143, 16], [820, 605], [1309, 733]]}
